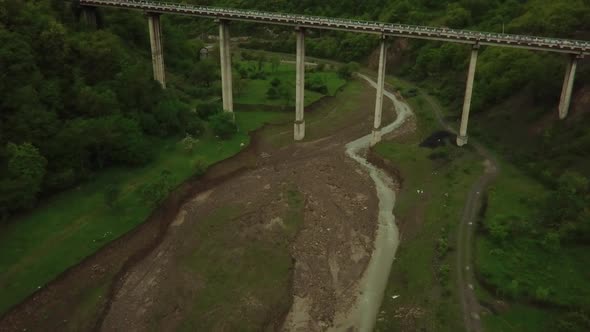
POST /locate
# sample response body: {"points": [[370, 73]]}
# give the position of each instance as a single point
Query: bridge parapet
{"points": [[401, 30]]}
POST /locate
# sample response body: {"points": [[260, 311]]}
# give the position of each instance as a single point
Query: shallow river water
{"points": [[363, 315]]}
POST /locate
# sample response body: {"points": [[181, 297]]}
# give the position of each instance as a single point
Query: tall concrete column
{"points": [[300, 86], [376, 137], [157, 48], [225, 61], [462, 138], [89, 16], [568, 85]]}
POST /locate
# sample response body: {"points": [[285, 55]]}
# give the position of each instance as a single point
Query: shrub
{"points": [[153, 193], [273, 93], [206, 110], [223, 125], [317, 84], [193, 126]]}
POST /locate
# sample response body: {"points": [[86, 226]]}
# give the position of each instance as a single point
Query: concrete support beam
{"points": [[462, 138], [300, 86], [376, 136], [89, 16], [226, 71], [568, 85], [157, 48]]}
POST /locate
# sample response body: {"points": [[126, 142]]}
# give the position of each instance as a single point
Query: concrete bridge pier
{"points": [[299, 133], [462, 137], [568, 85], [226, 71], [157, 48], [89, 16], [376, 136]]}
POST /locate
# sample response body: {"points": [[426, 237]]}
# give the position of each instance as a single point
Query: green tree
{"points": [[188, 143], [153, 193], [26, 168], [223, 125]]}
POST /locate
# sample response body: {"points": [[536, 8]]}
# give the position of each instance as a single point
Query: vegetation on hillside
{"points": [[77, 101]]}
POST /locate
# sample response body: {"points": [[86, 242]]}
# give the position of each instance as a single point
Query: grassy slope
{"points": [[525, 263], [564, 273], [254, 91], [424, 302], [74, 224]]}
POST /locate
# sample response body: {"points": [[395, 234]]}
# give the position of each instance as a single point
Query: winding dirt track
{"points": [[467, 227]]}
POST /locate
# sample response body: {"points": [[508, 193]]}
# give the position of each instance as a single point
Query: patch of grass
{"points": [[254, 90], [428, 300], [330, 117], [74, 224], [521, 268], [519, 318], [245, 276]]}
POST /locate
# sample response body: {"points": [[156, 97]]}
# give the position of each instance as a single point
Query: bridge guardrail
{"points": [[404, 30]]}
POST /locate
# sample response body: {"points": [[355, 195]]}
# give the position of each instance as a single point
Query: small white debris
{"points": [[394, 297], [471, 286], [467, 268], [242, 144], [470, 223], [477, 193]]}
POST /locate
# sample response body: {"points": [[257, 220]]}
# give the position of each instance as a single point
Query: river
{"points": [[372, 286]]}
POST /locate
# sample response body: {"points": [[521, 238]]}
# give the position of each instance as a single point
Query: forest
{"points": [[76, 101]]}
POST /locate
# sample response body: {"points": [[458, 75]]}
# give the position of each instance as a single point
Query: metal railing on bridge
{"points": [[388, 29]]}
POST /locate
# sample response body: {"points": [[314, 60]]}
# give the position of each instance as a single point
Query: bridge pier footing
{"points": [[376, 136], [462, 137], [226, 71], [157, 49], [568, 85], [299, 126]]}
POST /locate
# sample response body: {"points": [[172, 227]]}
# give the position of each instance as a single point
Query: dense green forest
{"points": [[75, 101]]}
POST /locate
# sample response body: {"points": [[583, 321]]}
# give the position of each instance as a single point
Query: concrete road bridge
{"points": [[575, 49]]}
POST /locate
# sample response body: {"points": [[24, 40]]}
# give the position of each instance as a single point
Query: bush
{"points": [[273, 93], [153, 193], [317, 84], [223, 125], [346, 71], [193, 125], [206, 110]]}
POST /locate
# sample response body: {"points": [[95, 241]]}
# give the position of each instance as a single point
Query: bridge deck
{"points": [[388, 29]]}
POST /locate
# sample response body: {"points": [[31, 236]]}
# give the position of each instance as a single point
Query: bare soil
{"points": [[142, 269]]}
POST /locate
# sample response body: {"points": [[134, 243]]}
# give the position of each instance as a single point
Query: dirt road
{"points": [[467, 227]]}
